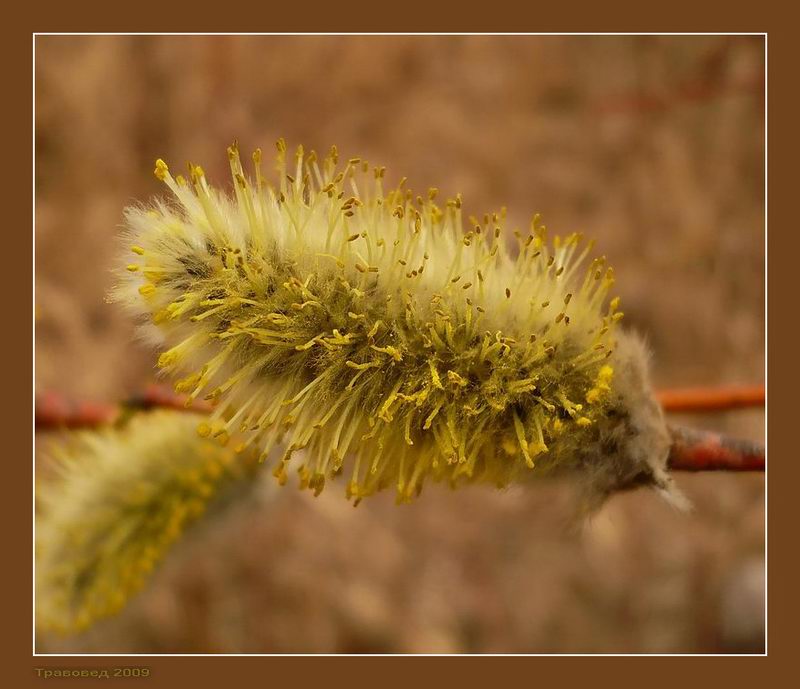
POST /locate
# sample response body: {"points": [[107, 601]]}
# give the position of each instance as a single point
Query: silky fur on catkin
{"points": [[117, 501], [380, 334]]}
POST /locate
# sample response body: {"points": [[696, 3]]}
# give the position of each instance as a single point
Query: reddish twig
{"points": [[691, 450], [158, 396], [711, 399], [694, 450], [53, 411]]}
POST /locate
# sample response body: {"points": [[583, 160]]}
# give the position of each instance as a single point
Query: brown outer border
{"points": [[216, 671]]}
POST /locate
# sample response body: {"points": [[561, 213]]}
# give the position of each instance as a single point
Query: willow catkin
{"points": [[368, 332], [117, 501]]}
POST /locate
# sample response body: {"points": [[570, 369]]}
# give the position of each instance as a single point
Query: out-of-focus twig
{"points": [[711, 398], [689, 93], [694, 450], [159, 396], [54, 412], [707, 82]]}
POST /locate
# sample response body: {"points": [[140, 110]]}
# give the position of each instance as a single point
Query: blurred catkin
{"points": [[117, 501]]}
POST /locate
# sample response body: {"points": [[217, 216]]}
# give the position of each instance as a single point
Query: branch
{"points": [[711, 398], [54, 412], [694, 450]]}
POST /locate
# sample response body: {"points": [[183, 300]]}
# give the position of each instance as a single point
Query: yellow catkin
{"points": [[383, 334], [115, 503]]}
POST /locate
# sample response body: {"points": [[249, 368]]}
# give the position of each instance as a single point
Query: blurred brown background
{"points": [[652, 145]]}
